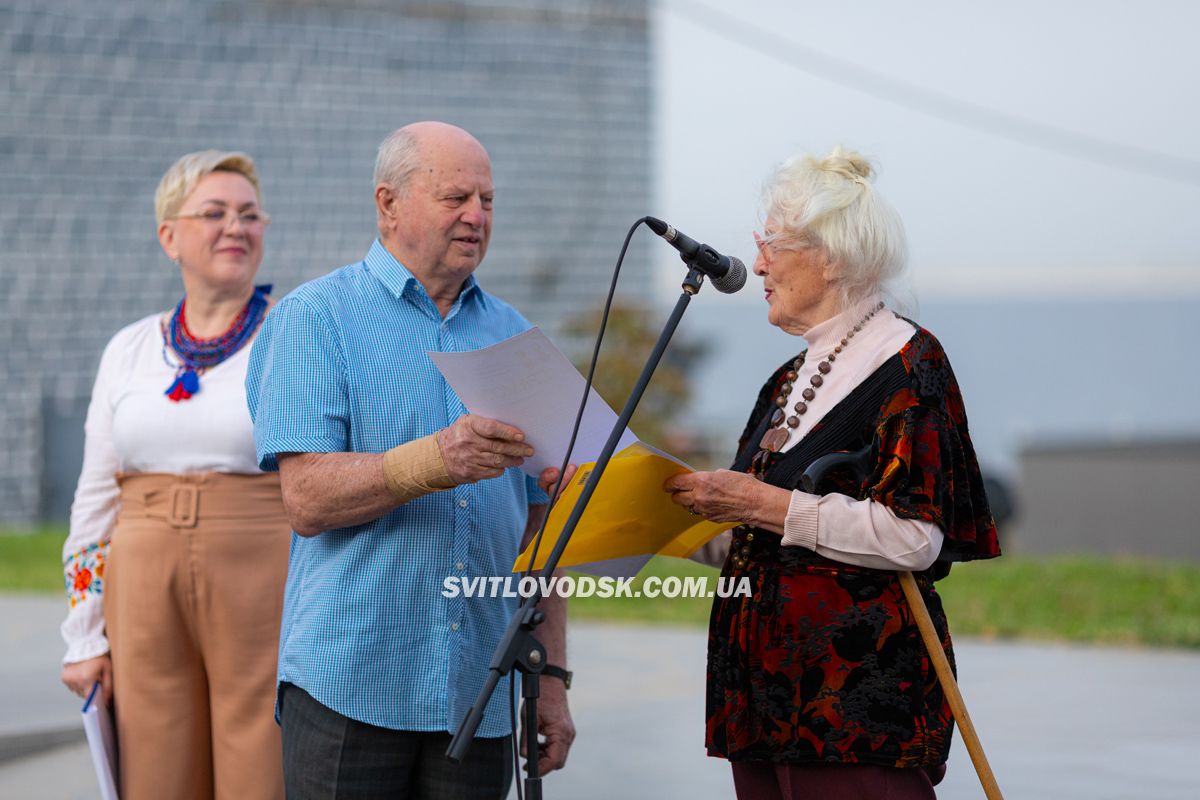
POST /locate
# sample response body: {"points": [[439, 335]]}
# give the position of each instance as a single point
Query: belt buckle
{"points": [[184, 506]]}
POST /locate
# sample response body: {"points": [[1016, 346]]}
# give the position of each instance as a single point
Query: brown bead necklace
{"points": [[781, 422]]}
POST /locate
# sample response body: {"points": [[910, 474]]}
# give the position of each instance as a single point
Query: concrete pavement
{"points": [[1058, 722]]}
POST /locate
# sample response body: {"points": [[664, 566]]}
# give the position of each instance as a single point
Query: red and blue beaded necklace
{"points": [[198, 355]]}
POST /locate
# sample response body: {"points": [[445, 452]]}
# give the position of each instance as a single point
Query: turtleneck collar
{"points": [[825, 336]]}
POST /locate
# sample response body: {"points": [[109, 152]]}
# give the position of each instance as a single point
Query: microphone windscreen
{"points": [[734, 279]]}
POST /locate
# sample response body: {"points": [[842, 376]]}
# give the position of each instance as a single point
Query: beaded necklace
{"points": [[198, 355], [777, 435]]}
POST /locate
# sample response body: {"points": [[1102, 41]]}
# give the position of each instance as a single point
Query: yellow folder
{"points": [[629, 514]]}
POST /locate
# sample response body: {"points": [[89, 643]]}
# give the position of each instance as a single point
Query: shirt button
{"points": [[453, 626], [458, 565], [462, 503]]}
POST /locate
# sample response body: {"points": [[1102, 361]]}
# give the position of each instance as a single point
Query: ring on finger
{"points": [[693, 511]]}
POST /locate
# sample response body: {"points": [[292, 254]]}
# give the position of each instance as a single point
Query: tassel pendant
{"points": [[184, 386]]}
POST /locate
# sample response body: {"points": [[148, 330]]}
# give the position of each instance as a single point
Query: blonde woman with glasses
{"points": [[177, 552]]}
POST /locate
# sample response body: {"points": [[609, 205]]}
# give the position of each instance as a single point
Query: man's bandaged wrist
{"points": [[415, 468]]}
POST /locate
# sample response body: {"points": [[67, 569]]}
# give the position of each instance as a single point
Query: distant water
{"points": [[1031, 372]]}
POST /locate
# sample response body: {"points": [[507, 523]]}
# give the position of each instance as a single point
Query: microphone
{"points": [[727, 273]]}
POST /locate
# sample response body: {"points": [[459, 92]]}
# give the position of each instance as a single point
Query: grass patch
{"points": [[31, 561], [1077, 598], [1063, 598]]}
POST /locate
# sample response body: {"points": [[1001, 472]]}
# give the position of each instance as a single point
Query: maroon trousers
{"points": [[764, 780]]}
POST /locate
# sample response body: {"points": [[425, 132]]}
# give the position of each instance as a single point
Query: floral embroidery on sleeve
{"points": [[83, 573]]}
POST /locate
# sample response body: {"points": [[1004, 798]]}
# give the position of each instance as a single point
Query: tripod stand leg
{"points": [[941, 665], [530, 691]]}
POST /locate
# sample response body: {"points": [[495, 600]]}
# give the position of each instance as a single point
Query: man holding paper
{"points": [[391, 487]]}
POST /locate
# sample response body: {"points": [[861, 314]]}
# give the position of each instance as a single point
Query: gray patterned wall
{"points": [[98, 98]]}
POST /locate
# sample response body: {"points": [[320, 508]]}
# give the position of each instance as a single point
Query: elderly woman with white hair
{"points": [[177, 552], [818, 684]]}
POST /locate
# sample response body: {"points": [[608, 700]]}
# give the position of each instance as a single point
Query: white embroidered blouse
{"points": [[133, 427]]}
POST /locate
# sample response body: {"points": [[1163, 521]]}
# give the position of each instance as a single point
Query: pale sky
{"points": [[984, 214], [1045, 275]]}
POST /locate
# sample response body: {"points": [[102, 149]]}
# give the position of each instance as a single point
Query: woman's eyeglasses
{"points": [[765, 243], [768, 243], [249, 218]]}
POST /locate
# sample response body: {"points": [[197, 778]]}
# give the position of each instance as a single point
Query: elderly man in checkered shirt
{"points": [[391, 487]]}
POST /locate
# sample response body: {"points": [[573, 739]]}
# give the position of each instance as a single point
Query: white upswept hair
{"points": [[398, 159], [181, 178], [829, 203]]}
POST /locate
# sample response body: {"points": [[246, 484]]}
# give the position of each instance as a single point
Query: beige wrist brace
{"points": [[415, 468]]}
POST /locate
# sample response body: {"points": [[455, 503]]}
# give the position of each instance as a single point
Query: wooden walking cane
{"points": [[941, 666], [861, 462]]}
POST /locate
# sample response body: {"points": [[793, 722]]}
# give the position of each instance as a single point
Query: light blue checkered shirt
{"points": [[340, 365]]}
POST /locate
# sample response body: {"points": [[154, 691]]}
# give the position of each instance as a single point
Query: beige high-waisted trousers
{"points": [[192, 603]]}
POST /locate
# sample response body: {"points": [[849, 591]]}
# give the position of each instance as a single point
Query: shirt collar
{"points": [[397, 278], [824, 336]]}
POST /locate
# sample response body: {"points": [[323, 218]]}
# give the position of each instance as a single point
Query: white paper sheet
{"points": [[526, 382], [102, 742]]}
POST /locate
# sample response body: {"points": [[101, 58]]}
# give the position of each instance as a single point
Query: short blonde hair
{"points": [[830, 203], [181, 178]]}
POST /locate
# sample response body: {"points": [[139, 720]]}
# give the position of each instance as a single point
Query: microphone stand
{"points": [[519, 647]]}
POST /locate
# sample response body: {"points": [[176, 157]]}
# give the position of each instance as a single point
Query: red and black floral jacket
{"points": [[824, 662]]}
